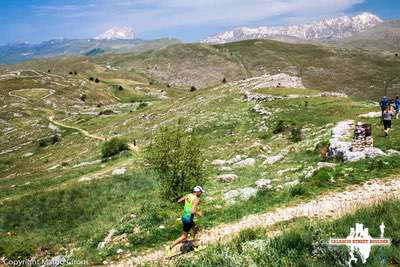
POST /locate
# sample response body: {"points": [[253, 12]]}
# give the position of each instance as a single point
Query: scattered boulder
{"points": [[274, 159], [27, 155], [119, 171], [218, 162], [247, 192], [371, 115], [332, 94], [245, 163], [226, 178], [264, 184], [242, 193], [231, 195]]}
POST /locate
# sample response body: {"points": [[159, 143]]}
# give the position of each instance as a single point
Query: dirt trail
{"points": [[131, 146], [333, 204], [84, 132]]}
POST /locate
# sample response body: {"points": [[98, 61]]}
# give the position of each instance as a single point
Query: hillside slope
{"points": [[385, 36]]}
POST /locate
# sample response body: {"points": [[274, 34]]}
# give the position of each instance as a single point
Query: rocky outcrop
{"points": [[340, 144]]}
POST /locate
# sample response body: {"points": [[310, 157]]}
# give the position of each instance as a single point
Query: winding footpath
{"points": [[329, 205], [131, 146], [84, 132]]}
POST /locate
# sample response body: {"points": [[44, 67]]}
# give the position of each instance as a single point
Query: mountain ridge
{"points": [[333, 28]]}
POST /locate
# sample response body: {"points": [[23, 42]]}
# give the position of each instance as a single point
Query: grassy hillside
{"points": [[69, 199], [384, 37], [362, 74], [58, 191]]}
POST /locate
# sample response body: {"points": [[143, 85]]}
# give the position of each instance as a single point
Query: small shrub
{"points": [[297, 190], [279, 127], [55, 139], [114, 147], [83, 97], [176, 157], [296, 134], [193, 88], [43, 143], [142, 105]]}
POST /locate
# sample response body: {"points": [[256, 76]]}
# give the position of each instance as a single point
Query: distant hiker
{"points": [[388, 113], [191, 202], [384, 103], [397, 106]]}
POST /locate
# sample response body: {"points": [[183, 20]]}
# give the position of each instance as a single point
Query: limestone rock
{"points": [[245, 163], [119, 171], [247, 192], [273, 159], [264, 183], [218, 162], [226, 178], [371, 115]]}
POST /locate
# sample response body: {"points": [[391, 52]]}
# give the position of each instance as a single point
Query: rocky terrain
{"points": [[280, 130]]}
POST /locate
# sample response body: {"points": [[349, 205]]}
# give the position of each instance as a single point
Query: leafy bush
{"points": [[142, 105], [83, 97], [296, 134], [176, 157], [113, 147], [49, 141], [279, 127], [297, 190]]}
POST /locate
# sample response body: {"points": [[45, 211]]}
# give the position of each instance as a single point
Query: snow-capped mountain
{"points": [[116, 33], [334, 28]]}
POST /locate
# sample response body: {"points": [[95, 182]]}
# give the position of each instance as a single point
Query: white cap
{"points": [[198, 189]]}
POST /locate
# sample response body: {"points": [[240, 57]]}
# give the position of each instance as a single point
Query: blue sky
{"points": [[188, 20]]}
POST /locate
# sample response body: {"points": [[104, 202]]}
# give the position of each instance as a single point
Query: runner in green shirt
{"points": [[190, 210]]}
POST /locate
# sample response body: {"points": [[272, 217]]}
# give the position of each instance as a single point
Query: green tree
{"points": [[176, 156], [113, 147]]}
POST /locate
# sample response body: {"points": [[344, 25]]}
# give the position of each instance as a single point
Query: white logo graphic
{"points": [[360, 241]]}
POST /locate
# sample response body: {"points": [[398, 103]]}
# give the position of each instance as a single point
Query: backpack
{"points": [[384, 102]]}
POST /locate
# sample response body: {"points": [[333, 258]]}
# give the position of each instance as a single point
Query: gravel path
{"points": [[333, 204]]}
